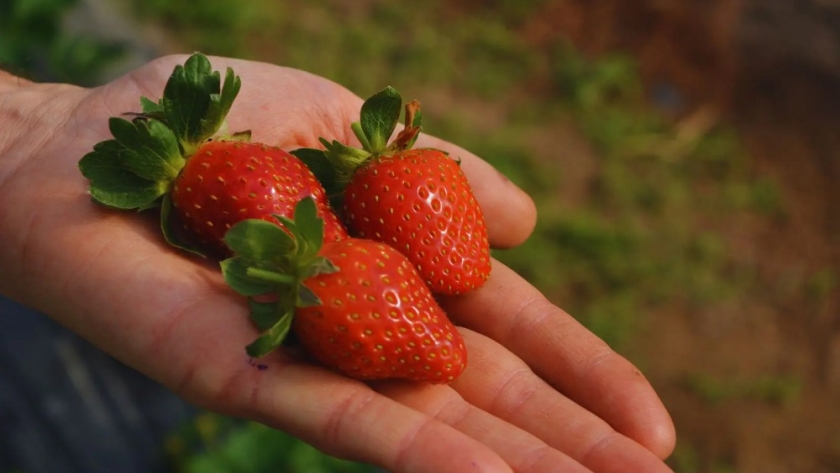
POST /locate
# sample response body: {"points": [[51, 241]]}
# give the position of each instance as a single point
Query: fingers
{"points": [[502, 384], [347, 419], [521, 450], [567, 356]]}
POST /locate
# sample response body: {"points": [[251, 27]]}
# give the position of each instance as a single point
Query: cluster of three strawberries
{"points": [[351, 243]]}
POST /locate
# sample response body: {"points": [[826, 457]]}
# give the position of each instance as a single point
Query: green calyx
{"points": [[335, 165], [275, 261], [135, 169]]}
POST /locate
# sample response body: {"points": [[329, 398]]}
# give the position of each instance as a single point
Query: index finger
{"points": [[347, 419]]}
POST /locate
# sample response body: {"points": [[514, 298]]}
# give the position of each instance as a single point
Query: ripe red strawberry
{"points": [[166, 157], [377, 319], [416, 200], [355, 305], [419, 201], [225, 182]]}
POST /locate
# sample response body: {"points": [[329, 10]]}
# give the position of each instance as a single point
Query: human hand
{"points": [[540, 392]]}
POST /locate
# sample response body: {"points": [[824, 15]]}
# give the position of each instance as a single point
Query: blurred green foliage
{"points": [[774, 390], [686, 459], [216, 444], [213, 26], [34, 43]]}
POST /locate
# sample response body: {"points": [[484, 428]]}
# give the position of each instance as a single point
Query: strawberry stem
{"points": [[409, 133], [270, 276]]}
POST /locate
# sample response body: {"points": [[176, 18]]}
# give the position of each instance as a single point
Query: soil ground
{"points": [[787, 111]]}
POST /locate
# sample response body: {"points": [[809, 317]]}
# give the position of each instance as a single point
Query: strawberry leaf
{"points": [[274, 260], [356, 127], [345, 158], [112, 184], [344, 161], [272, 338], [195, 103], [220, 105], [151, 150], [378, 120], [151, 108], [318, 265], [239, 275], [306, 298], [309, 228], [265, 314], [259, 240], [168, 226], [317, 162], [306, 229]]}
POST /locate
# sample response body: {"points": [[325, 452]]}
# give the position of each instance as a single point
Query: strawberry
{"points": [[168, 157], [416, 200], [356, 306], [228, 181]]}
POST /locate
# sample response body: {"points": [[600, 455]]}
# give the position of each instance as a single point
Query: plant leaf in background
{"points": [[34, 44]]}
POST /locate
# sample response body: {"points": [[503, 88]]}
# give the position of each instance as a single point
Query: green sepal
{"points": [[135, 169], [264, 314], [151, 149], [344, 161], [357, 129], [317, 162], [168, 225], [238, 274], [306, 298], [114, 185], [259, 240], [318, 265], [308, 229], [195, 102], [272, 337], [344, 158], [378, 119], [152, 109], [268, 257], [270, 260]]}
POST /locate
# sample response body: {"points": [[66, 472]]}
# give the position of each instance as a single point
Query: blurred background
{"points": [[684, 156]]}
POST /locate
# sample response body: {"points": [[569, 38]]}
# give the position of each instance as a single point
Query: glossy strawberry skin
{"points": [[225, 182], [377, 319], [420, 202]]}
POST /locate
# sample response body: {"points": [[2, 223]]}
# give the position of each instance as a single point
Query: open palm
{"points": [[540, 393]]}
